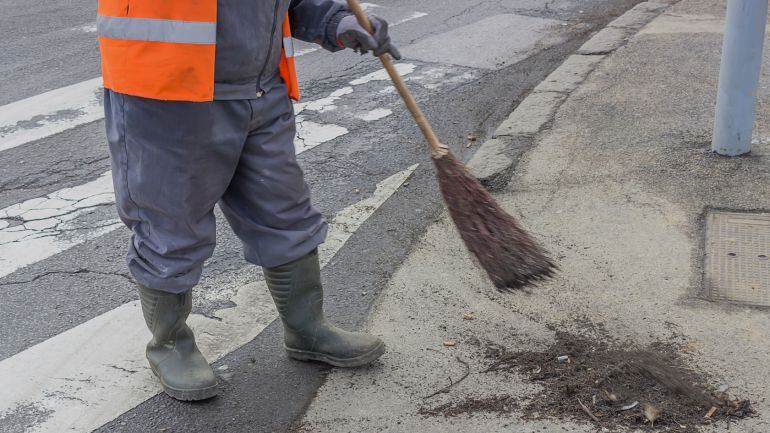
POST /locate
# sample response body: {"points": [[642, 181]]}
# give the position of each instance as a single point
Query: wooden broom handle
{"points": [[437, 149]]}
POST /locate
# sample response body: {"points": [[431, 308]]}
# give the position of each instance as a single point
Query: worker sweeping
{"points": [[198, 112]]}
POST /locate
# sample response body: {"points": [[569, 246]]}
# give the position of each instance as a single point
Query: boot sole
{"points": [[358, 361], [186, 394]]}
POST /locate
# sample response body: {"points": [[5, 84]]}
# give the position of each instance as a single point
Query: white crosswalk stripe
{"points": [[88, 375], [50, 113]]}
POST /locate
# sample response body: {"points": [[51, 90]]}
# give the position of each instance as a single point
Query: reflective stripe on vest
{"points": [[286, 67], [288, 46], [166, 49], [152, 29]]}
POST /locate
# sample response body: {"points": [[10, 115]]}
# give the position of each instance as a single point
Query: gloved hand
{"points": [[350, 34]]}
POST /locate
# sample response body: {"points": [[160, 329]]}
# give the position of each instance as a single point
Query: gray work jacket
{"points": [[249, 40]]}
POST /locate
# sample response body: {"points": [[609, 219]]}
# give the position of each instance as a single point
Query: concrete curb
{"points": [[495, 160]]}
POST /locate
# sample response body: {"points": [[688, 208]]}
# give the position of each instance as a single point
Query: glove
{"points": [[350, 34]]}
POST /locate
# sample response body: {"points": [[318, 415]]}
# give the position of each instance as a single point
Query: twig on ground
{"points": [[445, 389], [495, 365], [588, 411]]}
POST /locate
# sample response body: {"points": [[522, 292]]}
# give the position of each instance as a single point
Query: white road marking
{"points": [[368, 6], [86, 28], [93, 373], [382, 75], [376, 114], [42, 227], [302, 52], [324, 104], [434, 78], [50, 113], [414, 16], [311, 134]]}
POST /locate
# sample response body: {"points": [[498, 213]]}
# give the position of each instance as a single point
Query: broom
{"points": [[506, 252]]}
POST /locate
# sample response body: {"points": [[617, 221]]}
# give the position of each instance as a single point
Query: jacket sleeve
{"points": [[317, 21]]}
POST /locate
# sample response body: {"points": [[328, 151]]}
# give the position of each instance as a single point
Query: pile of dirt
{"points": [[589, 380]]}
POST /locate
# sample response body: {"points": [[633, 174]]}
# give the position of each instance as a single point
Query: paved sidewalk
{"points": [[617, 186]]}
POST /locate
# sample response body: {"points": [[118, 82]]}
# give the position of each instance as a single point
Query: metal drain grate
{"points": [[738, 257]]}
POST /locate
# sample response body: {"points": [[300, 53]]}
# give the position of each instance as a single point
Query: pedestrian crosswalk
{"points": [[44, 226], [95, 371]]}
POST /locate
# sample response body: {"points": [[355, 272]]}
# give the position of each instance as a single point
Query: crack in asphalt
{"points": [[64, 396], [76, 272], [301, 139], [116, 367], [467, 10], [64, 214], [60, 228]]}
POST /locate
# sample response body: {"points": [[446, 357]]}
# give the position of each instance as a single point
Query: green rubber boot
{"points": [[298, 295], [174, 357]]}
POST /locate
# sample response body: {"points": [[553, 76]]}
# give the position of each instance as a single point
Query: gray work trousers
{"points": [[173, 161]]}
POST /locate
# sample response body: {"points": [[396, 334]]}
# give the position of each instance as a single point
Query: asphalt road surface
{"points": [[71, 333]]}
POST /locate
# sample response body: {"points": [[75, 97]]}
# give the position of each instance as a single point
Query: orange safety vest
{"points": [[166, 49]]}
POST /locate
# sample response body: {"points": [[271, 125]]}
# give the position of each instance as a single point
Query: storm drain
{"points": [[737, 257]]}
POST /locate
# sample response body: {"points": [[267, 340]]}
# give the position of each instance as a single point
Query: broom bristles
{"points": [[507, 253]]}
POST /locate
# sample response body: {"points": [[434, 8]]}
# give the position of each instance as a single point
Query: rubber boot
{"points": [[298, 295], [174, 357]]}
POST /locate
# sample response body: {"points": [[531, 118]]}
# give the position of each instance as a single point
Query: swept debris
{"points": [[615, 387]]}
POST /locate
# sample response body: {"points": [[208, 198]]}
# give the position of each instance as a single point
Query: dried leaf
{"points": [[651, 413]]}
